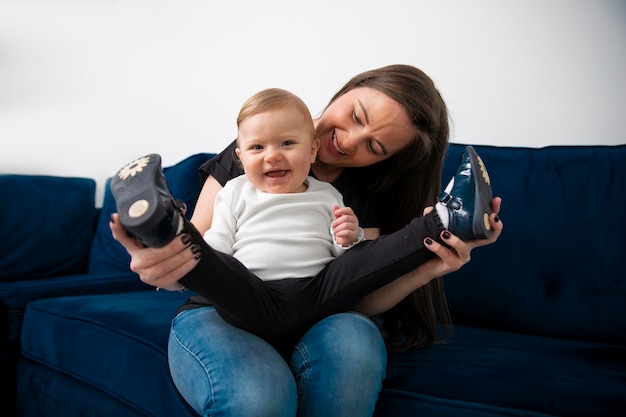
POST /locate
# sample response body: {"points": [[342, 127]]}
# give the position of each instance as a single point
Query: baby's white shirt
{"points": [[276, 236]]}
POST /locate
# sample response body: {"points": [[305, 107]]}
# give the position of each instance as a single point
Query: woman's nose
{"points": [[352, 140]]}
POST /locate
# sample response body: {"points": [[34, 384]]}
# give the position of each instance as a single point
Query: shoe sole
{"points": [[147, 211], [482, 196]]}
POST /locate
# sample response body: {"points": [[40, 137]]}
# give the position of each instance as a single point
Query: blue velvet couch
{"points": [[540, 316]]}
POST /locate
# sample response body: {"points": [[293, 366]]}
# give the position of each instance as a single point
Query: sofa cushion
{"points": [[115, 344], [557, 269], [47, 225], [107, 255], [517, 371], [402, 403], [15, 295], [43, 391]]}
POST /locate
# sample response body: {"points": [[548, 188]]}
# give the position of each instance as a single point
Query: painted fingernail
{"points": [[446, 234], [197, 251], [496, 219], [186, 239], [428, 241]]}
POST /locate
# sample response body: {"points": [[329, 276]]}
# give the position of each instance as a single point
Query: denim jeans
{"points": [[335, 370]]}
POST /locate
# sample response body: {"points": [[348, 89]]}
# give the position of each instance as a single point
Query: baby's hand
{"points": [[345, 226]]}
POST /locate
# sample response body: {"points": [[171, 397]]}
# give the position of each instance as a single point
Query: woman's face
{"points": [[362, 127]]}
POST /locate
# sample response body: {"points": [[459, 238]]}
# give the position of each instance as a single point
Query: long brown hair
{"points": [[407, 182]]}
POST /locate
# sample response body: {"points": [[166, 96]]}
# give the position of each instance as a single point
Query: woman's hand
{"points": [[447, 260], [453, 258], [159, 267], [345, 226]]}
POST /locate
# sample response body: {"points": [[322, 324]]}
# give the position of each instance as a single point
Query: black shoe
{"points": [[144, 203], [469, 200]]}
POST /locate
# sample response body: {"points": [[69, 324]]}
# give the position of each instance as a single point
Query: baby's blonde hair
{"points": [[275, 99]]}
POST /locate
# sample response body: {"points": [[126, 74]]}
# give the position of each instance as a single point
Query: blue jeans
{"points": [[335, 370]]}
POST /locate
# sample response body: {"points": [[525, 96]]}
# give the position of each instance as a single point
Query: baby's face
{"points": [[277, 149]]}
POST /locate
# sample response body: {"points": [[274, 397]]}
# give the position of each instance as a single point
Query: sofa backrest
{"points": [[46, 225], [107, 255], [558, 268]]}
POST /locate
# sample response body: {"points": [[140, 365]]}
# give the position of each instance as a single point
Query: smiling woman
{"points": [[352, 136]]}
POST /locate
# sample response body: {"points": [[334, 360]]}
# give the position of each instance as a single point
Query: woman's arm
{"points": [[203, 213], [446, 261], [391, 294]]}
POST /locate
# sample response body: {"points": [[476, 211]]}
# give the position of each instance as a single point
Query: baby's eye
{"points": [[288, 142], [256, 147]]}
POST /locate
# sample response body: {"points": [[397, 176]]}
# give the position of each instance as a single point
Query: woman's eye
{"points": [[372, 149], [356, 117]]}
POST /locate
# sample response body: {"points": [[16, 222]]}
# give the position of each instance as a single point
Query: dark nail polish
{"points": [[496, 219], [197, 252], [446, 234], [429, 241], [186, 239]]}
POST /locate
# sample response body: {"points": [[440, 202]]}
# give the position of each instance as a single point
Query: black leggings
{"points": [[282, 311]]}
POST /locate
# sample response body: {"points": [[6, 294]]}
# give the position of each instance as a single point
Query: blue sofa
{"points": [[54, 243], [540, 316]]}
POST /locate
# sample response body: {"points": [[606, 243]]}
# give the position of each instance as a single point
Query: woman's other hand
{"points": [[447, 260], [159, 267], [453, 258]]}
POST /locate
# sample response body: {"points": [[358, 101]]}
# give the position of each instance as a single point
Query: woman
{"points": [[383, 139]]}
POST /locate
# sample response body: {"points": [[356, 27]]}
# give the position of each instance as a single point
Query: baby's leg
{"points": [[373, 264], [239, 296]]}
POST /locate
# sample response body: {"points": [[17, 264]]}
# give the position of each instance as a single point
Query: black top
{"points": [[225, 166]]}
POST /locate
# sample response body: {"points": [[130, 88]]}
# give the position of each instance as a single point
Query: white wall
{"points": [[87, 85]]}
